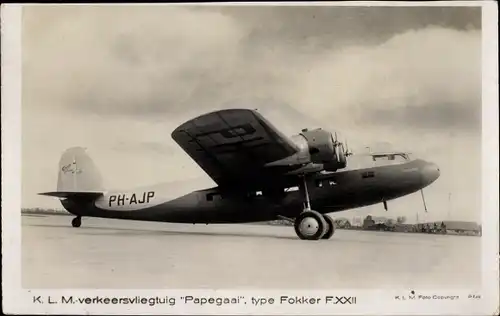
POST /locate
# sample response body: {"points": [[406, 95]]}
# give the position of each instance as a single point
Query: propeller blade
{"points": [[347, 152], [423, 199]]}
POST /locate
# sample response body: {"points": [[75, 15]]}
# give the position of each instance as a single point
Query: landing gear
{"points": [[330, 229], [77, 221], [311, 225]]}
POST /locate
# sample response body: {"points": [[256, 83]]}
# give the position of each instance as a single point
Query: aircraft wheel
{"points": [[310, 225], [330, 227], [76, 222]]}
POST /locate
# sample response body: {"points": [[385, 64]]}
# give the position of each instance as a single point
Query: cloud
{"points": [[126, 60], [416, 75], [429, 116], [309, 28], [106, 65]]}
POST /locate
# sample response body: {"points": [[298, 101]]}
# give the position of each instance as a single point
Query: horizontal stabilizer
{"points": [[74, 195]]}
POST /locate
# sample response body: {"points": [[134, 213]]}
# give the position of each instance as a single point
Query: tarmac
{"points": [[118, 254]]}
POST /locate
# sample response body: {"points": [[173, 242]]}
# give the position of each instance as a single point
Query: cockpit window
{"points": [[398, 157]]}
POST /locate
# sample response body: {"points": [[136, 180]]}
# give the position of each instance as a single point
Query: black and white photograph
{"points": [[260, 148]]}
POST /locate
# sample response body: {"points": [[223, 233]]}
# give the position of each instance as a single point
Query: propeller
{"points": [[335, 141]]}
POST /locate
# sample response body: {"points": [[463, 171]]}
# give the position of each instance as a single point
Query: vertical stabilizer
{"points": [[77, 172]]}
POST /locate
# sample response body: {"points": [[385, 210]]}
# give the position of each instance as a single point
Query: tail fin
{"points": [[78, 175]]}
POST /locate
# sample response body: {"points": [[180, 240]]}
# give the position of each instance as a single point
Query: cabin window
{"points": [[380, 157], [254, 194], [368, 174], [331, 183], [210, 196], [399, 157]]}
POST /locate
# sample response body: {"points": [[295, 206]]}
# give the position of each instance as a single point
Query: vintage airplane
{"points": [[260, 173]]}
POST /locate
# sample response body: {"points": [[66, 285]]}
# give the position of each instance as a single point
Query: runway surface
{"points": [[128, 254]]}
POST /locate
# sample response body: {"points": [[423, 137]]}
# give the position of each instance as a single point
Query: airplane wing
{"points": [[232, 146]]}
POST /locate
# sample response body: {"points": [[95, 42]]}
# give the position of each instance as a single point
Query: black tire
{"points": [[318, 218], [76, 222], [330, 227]]}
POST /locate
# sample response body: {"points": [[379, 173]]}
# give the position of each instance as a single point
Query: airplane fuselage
{"points": [[328, 192], [260, 173]]}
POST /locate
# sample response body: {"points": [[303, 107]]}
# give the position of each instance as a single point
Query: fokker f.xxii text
{"points": [[261, 175]]}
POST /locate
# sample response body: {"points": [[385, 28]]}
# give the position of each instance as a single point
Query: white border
{"points": [[11, 155], [490, 159], [456, 3], [18, 300]]}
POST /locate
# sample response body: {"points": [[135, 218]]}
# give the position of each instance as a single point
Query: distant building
{"points": [[342, 223], [380, 219], [357, 221], [461, 225], [368, 221]]}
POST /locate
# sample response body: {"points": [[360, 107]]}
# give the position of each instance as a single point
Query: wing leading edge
{"points": [[232, 146]]}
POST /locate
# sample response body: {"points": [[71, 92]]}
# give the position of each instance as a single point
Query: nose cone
{"points": [[430, 172]]}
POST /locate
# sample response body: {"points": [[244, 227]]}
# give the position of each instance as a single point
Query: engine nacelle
{"points": [[340, 162], [318, 146]]}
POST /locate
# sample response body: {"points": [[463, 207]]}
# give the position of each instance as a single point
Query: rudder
{"points": [[78, 172]]}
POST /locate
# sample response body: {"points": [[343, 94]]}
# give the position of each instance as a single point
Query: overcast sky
{"points": [[118, 80]]}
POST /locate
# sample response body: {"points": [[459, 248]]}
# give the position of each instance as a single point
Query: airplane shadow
{"points": [[92, 230]]}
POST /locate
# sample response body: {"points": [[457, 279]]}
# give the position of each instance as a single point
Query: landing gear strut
{"points": [[77, 221], [311, 225]]}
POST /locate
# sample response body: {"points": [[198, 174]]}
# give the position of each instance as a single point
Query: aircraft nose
{"points": [[430, 172]]}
